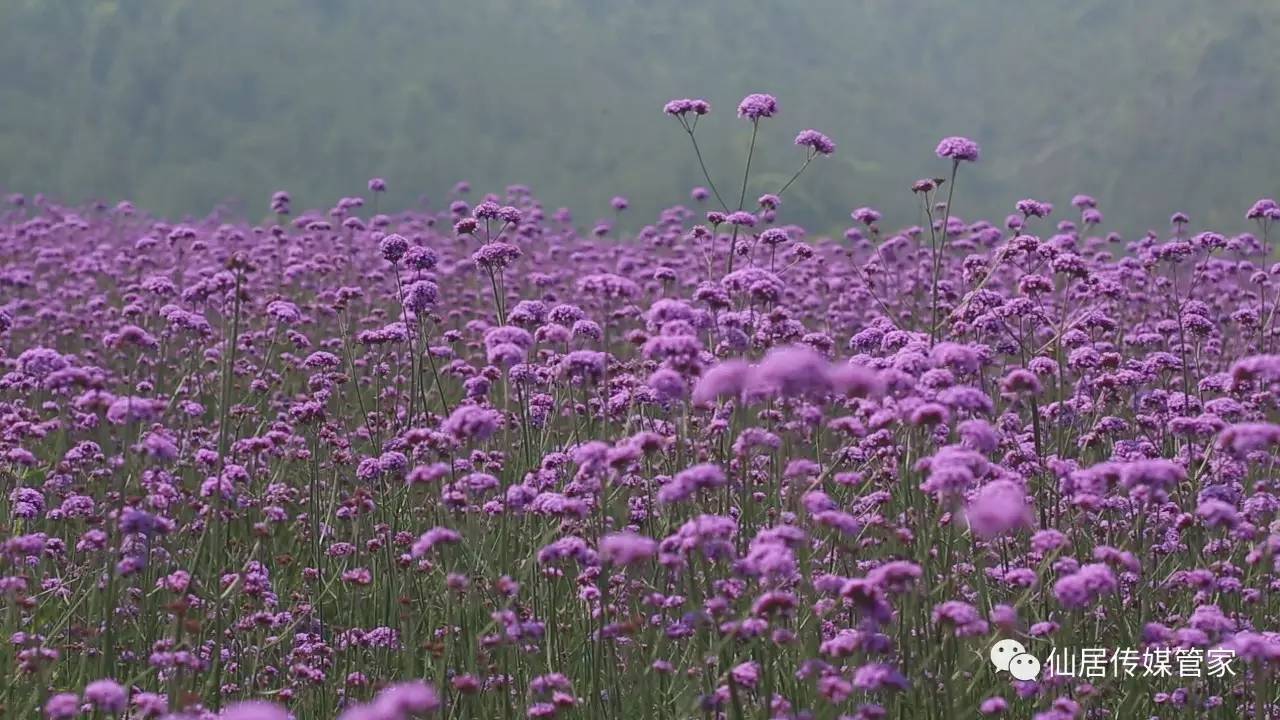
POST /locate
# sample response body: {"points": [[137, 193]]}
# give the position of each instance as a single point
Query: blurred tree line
{"points": [[181, 104]]}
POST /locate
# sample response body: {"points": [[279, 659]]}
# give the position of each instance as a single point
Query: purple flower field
{"points": [[482, 462]]}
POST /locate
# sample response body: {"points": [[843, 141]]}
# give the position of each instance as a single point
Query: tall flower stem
{"points": [[411, 343], [742, 197], [702, 164], [746, 173], [939, 246], [799, 172], [224, 419]]}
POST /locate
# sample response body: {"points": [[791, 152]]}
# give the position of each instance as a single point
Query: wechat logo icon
{"points": [[1010, 656]]}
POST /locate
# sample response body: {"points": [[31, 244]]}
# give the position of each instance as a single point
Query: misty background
{"points": [[182, 105]]}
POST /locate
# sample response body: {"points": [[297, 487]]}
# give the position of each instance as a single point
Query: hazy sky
{"points": [[178, 104]]}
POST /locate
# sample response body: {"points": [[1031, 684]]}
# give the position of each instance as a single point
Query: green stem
{"points": [[939, 246]]}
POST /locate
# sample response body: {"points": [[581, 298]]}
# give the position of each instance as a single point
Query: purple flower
{"points": [[1246, 438], [406, 700], [727, 379], [106, 696], [953, 470], [818, 143], [150, 705], [958, 148], [393, 247], [1020, 382], [998, 508], [668, 384], [895, 576], [1045, 541], [421, 295], [746, 674], [993, 706], [930, 414], [757, 105], [472, 422], [1152, 479], [1085, 586], [868, 599], [791, 372], [254, 710], [1216, 513], [978, 435], [506, 354], [963, 616], [567, 548], [134, 409], [866, 215], [1264, 368], [878, 676], [1034, 208], [420, 258], [1264, 209], [433, 537], [690, 481], [41, 362], [774, 237], [62, 706], [583, 365], [510, 215], [683, 106], [141, 522], [487, 210], [626, 548], [852, 380], [1253, 647], [495, 255], [284, 312]]}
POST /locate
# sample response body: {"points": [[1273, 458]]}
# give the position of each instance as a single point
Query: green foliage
{"points": [[177, 104]]}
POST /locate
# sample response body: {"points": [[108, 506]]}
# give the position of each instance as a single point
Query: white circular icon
{"points": [[1004, 651], [1024, 667]]}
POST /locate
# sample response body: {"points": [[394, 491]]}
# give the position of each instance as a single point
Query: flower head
{"points": [[62, 706], [817, 142], [757, 105], [958, 148], [626, 548], [393, 247], [254, 710], [866, 215], [682, 106], [997, 508]]}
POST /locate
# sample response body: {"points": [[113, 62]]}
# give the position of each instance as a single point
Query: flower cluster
{"points": [[482, 462]]}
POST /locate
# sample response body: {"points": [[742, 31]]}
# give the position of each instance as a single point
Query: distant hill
{"points": [[178, 104]]}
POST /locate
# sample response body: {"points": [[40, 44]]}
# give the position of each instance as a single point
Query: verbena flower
{"points": [[626, 548], [958, 149], [997, 508], [254, 710], [817, 142], [757, 105]]}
